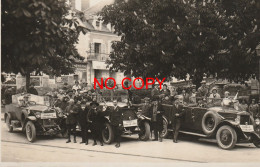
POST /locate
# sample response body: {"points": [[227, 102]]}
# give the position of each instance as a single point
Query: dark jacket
{"points": [[166, 92], [33, 91], [157, 116], [95, 119], [178, 109], [146, 109], [82, 116], [71, 111], [155, 94], [115, 117]]}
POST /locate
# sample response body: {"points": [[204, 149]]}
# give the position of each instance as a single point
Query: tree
{"points": [[39, 36], [175, 38]]}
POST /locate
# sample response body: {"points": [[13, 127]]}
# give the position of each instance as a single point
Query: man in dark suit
{"points": [[155, 93], [82, 120], [178, 113], [157, 120], [96, 123], [116, 121]]}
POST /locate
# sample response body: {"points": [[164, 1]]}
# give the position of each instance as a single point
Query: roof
{"points": [[89, 25], [98, 7]]}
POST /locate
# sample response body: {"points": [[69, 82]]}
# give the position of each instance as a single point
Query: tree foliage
{"points": [[162, 38], [39, 35]]}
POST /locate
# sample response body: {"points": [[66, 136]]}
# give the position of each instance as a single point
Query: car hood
{"points": [[228, 110], [38, 108]]}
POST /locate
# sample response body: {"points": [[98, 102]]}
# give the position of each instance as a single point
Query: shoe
{"points": [[86, 143], [82, 142], [175, 141], [101, 144], [94, 144], [75, 141], [160, 140], [155, 140], [68, 141], [117, 145]]}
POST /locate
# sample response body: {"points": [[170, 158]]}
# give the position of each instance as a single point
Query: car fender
{"points": [[231, 123], [29, 118], [8, 114]]}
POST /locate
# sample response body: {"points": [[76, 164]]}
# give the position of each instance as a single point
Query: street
{"points": [[16, 148]]}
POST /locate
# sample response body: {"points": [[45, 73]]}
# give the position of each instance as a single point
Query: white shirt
{"points": [[75, 87]]}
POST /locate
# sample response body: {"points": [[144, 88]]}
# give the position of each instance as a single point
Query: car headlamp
{"points": [[237, 120], [38, 115], [257, 121]]}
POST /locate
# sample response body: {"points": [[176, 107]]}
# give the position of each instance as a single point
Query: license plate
{"points": [[247, 128], [128, 123], [48, 115]]}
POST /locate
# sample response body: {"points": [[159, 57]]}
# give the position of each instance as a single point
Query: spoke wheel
{"points": [[226, 137]]}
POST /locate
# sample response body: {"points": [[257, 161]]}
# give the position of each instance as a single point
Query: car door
{"points": [[197, 114], [187, 121]]}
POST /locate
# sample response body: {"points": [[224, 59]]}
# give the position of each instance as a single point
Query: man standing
{"points": [[157, 120], [155, 93], [96, 122], [178, 113], [76, 86], [116, 122], [203, 90], [71, 120]]}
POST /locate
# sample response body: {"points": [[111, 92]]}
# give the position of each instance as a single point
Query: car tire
{"points": [[30, 131], [144, 134], [108, 134], [209, 122], [165, 128], [226, 137], [8, 123]]}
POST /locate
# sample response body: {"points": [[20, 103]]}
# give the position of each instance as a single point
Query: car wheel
{"points": [[165, 128], [144, 134], [30, 131], [8, 124], [209, 122], [226, 137], [108, 134]]}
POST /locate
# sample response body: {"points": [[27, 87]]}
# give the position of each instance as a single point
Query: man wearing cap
{"points": [[253, 108], [178, 114], [96, 122], [71, 120], [116, 121], [203, 90]]}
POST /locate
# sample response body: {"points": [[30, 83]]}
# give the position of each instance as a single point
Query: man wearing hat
{"points": [[203, 90], [227, 101], [178, 114], [96, 123], [214, 96], [116, 121], [32, 90]]}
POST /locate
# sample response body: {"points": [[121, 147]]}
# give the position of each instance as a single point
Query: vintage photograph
{"points": [[130, 81]]}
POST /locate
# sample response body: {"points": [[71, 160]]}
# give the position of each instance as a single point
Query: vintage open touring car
{"points": [[226, 124], [32, 114], [133, 122]]}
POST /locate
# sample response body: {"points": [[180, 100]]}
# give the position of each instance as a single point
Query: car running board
{"points": [[191, 133]]}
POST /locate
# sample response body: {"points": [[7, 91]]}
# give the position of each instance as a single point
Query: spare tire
{"points": [[210, 122]]}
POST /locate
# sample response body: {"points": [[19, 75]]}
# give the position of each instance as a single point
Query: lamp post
{"points": [[258, 55]]}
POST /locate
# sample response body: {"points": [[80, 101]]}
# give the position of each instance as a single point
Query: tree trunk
{"points": [[27, 76]]}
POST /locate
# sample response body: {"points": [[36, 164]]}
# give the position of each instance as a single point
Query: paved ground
{"points": [[16, 148]]}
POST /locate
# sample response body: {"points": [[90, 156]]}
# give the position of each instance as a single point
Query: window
{"points": [[97, 47], [97, 24]]}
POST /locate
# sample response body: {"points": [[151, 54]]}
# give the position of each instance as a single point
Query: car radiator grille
{"points": [[129, 115], [48, 122], [245, 119]]}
